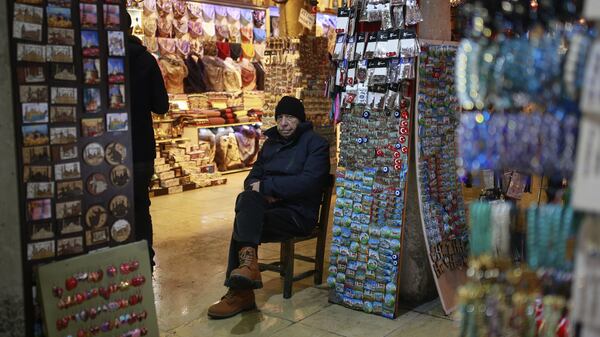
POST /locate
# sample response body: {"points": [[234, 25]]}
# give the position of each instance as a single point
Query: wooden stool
{"points": [[285, 265]]}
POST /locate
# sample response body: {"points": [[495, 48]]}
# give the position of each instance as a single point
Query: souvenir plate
{"points": [[96, 217]]}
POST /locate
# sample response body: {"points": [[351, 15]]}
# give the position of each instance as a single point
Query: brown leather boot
{"points": [[247, 275], [234, 302]]}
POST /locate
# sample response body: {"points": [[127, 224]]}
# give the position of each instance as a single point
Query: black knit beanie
{"points": [[290, 106]]}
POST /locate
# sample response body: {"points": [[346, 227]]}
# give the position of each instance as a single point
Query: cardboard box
{"points": [[170, 182], [175, 189], [162, 168], [166, 175]]}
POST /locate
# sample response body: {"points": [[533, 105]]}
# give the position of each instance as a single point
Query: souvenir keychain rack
{"points": [[73, 132], [374, 88]]}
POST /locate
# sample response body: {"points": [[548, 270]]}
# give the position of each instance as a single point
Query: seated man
{"points": [[281, 200]]}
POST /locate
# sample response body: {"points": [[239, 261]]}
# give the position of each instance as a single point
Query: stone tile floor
{"points": [[192, 232]]}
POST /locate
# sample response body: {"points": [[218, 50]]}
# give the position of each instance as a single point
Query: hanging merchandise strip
{"points": [[373, 83], [442, 208], [524, 84]]}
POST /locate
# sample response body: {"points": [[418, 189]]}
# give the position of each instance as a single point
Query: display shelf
{"points": [[224, 125], [237, 170], [191, 132], [172, 140]]}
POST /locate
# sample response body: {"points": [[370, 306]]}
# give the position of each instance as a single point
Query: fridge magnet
{"points": [[62, 54], [116, 122], [27, 31], [68, 209], [93, 154], [32, 173], [41, 231], [64, 152], [36, 154], [116, 153], [33, 93], [120, 175], [63, 135], [70, 226], [31, 53], [63, 114], [90, 43], [69, 246], [28, 14], [112, 17], [116, 70], [96, 216], [88, 15], [35, 135], [40, 190], [91, 71], [40, 250], [63, 95], [92, 127], [59, 17], [116, 44], [30, 74], [91, 100], [119, 206], [35, 113], [120, 230], [67, 171], [69, 189], [64, 72], [39, 209], [96, 184], [61, 36], [116, 96], [96, 236], [60, 3]]}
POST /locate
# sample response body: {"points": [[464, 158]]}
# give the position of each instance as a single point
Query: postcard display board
{"points": [[375, 86], [440, 195], [73, 135]]}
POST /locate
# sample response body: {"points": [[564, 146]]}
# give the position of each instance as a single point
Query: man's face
{"points": [[286, 125]]}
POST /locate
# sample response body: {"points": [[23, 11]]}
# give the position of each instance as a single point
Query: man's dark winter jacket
{"points": [[294, 171], [148, 94]]}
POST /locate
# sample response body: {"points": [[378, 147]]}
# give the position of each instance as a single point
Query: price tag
{"points": [[306, 19]]}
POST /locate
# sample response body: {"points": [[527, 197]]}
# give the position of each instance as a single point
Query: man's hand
{"points": [[255, 186], [271, 199]]}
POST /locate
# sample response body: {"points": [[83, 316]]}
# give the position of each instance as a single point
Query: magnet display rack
{"points": [[374, 85], [73, 136], [440, 196]]}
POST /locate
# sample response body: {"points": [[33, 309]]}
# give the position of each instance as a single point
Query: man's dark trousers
{"points": [[258, 221]]}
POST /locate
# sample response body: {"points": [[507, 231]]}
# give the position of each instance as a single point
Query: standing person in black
{"points": [[148, 95]]}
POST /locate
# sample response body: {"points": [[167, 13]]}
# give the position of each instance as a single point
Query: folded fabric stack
{"points": [[198, 101], [228, 115], [253, 100], [241, 116]]}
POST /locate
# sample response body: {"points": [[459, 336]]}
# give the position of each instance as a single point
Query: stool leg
{"points": [[282, 259], [288, 266], [319, 256]]}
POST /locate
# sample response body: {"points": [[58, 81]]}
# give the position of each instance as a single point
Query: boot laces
{"points": [[230, 295], [246, 257]]}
